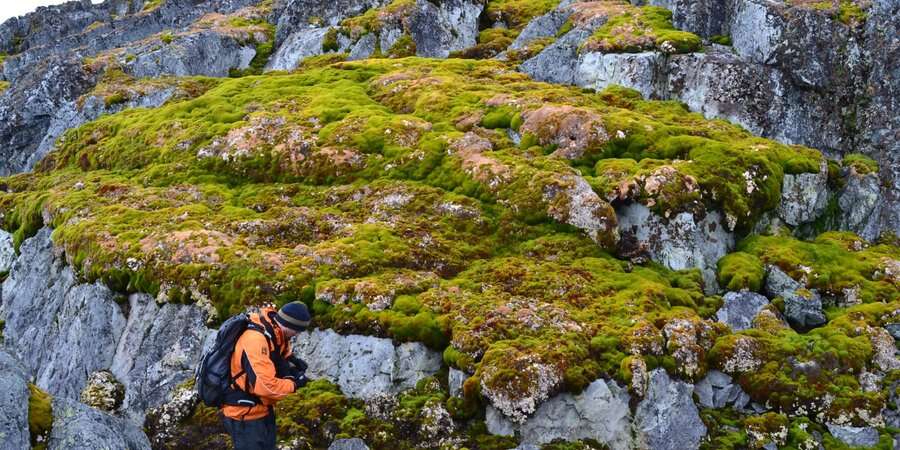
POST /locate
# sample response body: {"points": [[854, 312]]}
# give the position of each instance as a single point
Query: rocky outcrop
{"points": [[61, 330], [681, 242], [365, 366], [159, 350], [292, 16], [861, 205], [600, 413], [77, 426], [803, 309], [450, 25], [65, 331], [667, 417], [14, 403], [348, 444], [740, 308], [205, 53]]}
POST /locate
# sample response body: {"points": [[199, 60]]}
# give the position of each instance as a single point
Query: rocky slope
{"points": [[520, 223]]}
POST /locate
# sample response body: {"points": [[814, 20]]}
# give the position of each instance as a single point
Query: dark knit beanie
{"points": [[294, 315]]}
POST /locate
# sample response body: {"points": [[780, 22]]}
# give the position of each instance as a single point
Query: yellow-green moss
{"points": [[636, 29], [40, 417]]}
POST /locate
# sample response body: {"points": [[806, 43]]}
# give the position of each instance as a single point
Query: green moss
{"points": [[166, 37], [40, 417], [330, 43], [860, 163], [404, 46], [741, 270], [636, 29], [150, 5], [721, 39]]}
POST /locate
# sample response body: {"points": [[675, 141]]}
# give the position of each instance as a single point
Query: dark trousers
{"points": [[256, 434]]}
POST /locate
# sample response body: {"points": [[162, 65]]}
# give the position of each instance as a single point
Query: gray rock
{"points": [[365, 366], [162, 422], [667, 418], [894, 330], [14, 395], [804, 311], [159, 350], [778, 283], [861, 205], [63, 331], [681, 242], [348, 444], [543, 26], [364, 47], [557, 62], [440, 29], [703, 17], [77, 426], [497, 423], [204, 53], [7, 251], [298, 46], [291, 16], [639, 71], [740, 308], [455, 380], [718, 390], [854, 436], [804, 196], [600, 412]]}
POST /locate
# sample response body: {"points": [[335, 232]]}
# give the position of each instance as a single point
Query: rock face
{"points": [[861, 204], [667, 417], [740, 308], [14, 395], [682, 242], [7, 252], [348, 444], [365, 366], [159, 349], [63, 331], [76, 426], [600, 412]]}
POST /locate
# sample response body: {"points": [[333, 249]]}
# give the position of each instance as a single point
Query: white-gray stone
{"points": [[61, 330], [439, 29], [861, 203], [681, 242], [298, 46], [804, 311], [854, 436], [667, 419], [14, 395], [740, 308], [804, 196], [779, 283], [159, 350], [79, 427], [455, 380], [718, 390], [7, 251], [348, 444], [365, 366], [639, 71], [543, 26]]}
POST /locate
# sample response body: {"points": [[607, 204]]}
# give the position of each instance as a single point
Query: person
{"points": [[264, 371]]}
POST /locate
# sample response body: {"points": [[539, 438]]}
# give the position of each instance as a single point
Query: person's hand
{"points": [[299, 381], [298, 363]]}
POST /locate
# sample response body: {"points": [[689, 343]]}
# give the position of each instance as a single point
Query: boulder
{"points": [[740, 308], [348, 444], [557, 62], [854, 436], [103, 391], [7, 251], [14, 396], [365, 366], [77, 426], [718, 390], [455, 380], [543, 26], [803, 309], [804, 196], [643, 72], [61, 330], [667, 419], [600, 412], [778, 283], [681, 242]]}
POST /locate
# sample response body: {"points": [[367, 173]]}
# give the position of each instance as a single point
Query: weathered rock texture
{"points": [[667, 417], [76, 426], [14, 401], [365, 366]]}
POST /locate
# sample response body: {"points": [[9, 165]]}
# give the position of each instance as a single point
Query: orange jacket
{"points": [[256, 371]]}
